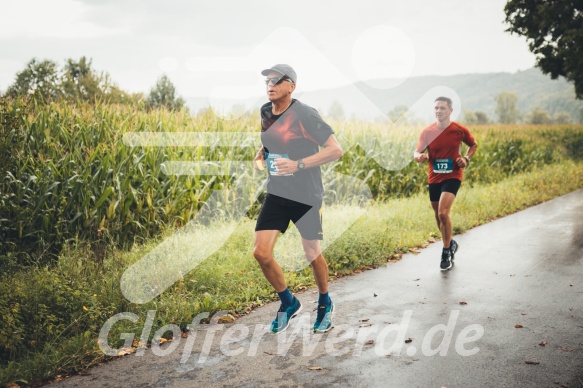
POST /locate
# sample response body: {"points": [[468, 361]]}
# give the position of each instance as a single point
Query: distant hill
{"points": [[476, 92]]}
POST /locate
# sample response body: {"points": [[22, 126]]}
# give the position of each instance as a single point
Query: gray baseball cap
{"points": [[282, 69]]}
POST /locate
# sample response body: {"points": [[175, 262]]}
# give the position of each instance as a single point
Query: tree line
{"points": [[507, 112], [78, 81]]}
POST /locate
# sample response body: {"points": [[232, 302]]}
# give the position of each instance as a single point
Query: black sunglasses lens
{"points": [[274, 80]]}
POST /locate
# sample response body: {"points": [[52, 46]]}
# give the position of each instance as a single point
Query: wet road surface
{"points": [[508, 314]]}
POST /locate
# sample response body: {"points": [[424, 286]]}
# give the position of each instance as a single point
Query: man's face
{"points": [[281, 90], [442, 111]]}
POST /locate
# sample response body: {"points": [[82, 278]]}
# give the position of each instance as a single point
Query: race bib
{"points": [[270, 160], [443, 166]]}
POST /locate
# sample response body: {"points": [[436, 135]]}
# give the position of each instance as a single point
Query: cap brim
{"points": [[267, 71]]}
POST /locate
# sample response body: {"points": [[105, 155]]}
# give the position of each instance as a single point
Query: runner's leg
{"points": [[263, 252], [435, 206], [314, 256], [445, 225]]}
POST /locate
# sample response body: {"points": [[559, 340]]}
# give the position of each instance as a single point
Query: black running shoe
{"points": [[445, 260], [453, 247]]}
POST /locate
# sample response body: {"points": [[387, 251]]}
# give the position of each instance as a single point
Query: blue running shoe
{"points": [[323, 322], [284, 315]]}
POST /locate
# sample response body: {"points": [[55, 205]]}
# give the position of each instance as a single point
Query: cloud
{"points": [[131, 38], [64, 19]]}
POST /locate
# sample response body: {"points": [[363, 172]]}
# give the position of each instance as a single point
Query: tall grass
{"points": [[51, 317], [71, 172], [85, 193]]}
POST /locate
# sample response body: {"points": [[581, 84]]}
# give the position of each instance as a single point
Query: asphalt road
{"points": [[508, 314]]}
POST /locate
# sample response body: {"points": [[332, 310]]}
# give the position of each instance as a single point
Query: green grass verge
{"points": [[230, 279]]}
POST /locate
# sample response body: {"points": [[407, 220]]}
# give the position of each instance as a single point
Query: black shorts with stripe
{"points": [[277, 212]]}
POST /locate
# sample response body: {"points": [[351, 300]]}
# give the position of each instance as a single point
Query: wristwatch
{"points": [[301, 164]]}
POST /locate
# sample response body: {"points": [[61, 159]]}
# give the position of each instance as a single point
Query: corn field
{"points": [[111, 176]]}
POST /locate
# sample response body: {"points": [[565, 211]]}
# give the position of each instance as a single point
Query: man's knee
{"points": [[311, 256], [443, 216], [262, 255]]}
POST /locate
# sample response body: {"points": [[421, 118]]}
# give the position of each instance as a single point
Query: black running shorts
{"points": [[448, 186], [276, 213]]}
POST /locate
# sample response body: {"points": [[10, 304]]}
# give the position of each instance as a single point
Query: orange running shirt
{"points": [[444, 144]]}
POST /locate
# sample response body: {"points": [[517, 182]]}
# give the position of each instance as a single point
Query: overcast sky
{"points": [[219, 47]]}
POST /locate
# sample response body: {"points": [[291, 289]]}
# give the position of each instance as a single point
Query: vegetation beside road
{"points": [[80, 204]]}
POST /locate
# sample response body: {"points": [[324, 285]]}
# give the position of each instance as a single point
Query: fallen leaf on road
{"points": [[124, 351], [315, 368], [369, 342], [543, 343], [523, 313], [416, 279], [566, 349], [138, 344], [357, 271], [518, 326], [365, 325], [375, 295], [226, 319], [364, 320], [532, 362], [270, 354], [463, 303], [408, 340]]}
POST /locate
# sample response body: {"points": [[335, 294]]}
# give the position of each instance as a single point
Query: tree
{"points": [[401, 114], [39, 78], [538, 116], [469, 117], [336, 110], [554, 32], [477, 117], [164, 95], [561, 118], [482, 117], [76, 81], [506, 107], [80, 81]]}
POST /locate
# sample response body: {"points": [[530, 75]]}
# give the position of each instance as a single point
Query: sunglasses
{"points": [[277, 80]]}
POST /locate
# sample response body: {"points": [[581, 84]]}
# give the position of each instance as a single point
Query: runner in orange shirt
{"points": [[442, 140]]}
